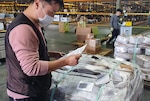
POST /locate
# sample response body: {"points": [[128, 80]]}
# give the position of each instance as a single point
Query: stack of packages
{"points": [[93, 46], [84, 35], [127, 46], [98, 78]]}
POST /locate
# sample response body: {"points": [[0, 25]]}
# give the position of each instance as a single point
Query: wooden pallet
{"points": [[79, 44], [105, 51]]}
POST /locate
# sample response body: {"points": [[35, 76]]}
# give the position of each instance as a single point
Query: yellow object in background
{"points": [[128, 23]]}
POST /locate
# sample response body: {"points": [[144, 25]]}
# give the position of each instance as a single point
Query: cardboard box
{"points": [[83, 34], [83, 31], [92, 50], [93, 46], [82, 38], [93, 42], [126, 30], [61, 27]]}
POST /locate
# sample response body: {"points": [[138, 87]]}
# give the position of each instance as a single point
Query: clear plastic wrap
{"points": [[122, 39], [146, 40], [125, 56], [136, 39], [147, 51], [121, 49], [122, 85], [133, 50]]}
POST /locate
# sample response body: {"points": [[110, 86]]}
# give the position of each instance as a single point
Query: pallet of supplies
{"points": [[97, 78], [135, 48]]}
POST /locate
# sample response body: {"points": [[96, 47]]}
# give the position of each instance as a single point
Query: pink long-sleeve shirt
{"points": [[25, 44]]}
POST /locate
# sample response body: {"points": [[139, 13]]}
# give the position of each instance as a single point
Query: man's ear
{"points": [[37, 3]]}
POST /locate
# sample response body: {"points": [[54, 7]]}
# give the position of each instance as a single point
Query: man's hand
{"points": [[72, 60]]}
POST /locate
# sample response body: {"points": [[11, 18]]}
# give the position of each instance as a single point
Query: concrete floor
{"points": [[61, 42]]}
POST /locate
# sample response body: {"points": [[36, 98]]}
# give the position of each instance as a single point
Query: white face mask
{"points": [[45, 21]]}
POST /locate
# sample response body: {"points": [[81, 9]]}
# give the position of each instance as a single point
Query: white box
{"points": [[93, 42], [57, 18], [2, 15], [65, 19], [10, 15], [126, 30], [1, 26]]}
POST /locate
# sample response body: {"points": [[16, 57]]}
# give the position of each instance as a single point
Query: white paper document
{"points": [[77, 51], [74, 52]]}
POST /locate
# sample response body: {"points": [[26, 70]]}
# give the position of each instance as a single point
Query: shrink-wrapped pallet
{"points": [[98, 78], [138, 46], [144, 62]]}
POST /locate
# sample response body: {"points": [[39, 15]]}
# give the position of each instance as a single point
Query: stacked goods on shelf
{"points": [[98, 78], [127, 46]]}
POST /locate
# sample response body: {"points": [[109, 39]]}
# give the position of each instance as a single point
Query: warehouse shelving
{"points": [[96, 9]]}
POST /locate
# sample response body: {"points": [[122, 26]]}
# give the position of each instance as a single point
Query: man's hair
{"points": [[60, 2], [119, 10]]}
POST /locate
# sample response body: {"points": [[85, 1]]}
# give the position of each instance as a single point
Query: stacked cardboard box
{"points": [[83, 33], [93, 46]]}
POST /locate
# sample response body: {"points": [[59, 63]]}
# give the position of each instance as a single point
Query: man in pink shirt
{"points": [[27, 61]]}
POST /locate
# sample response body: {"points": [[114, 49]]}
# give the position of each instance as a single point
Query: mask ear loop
{"points": [[37, 14]]}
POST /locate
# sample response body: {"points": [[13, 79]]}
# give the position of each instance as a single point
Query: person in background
{"points": [[27, 61], [115, 23], [82, 22]]}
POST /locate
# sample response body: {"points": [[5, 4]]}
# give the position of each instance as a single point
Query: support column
{"points": [[118, 4]]}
